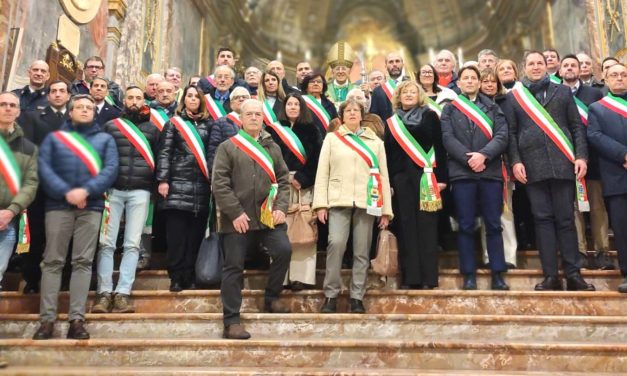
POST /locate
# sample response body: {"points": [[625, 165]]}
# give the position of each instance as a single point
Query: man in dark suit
{"points": [[33, 97], [95, 67], [37, 125], [380, 104], [226, 56], [607, 132], [570, 70], [106, 110], [548, 167]]}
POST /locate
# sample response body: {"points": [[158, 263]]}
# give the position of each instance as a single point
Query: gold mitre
{"points": [[340, 54]]}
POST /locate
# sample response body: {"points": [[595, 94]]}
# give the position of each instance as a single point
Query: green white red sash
{"points": [[193, 141], [555, 79], [23, 235], [388, 88], [258, 154], [434, 106], [234, 117], [137, 139], [543, 119], [289, 138], [82, 149], [614, 103], [9, 169], [318, 110], [215, 108], [475, 114], [109, 100], [158, 118], [583, 110], [430, 199], [374, 198], [104, 221]]}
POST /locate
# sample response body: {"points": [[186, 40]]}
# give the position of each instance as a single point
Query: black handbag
{"points": [[210, 256]]}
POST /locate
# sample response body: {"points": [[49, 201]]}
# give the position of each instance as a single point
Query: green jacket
{"points": [[25, 153]]}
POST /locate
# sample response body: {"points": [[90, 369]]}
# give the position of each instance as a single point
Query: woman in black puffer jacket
{"points": [[184, 185]]}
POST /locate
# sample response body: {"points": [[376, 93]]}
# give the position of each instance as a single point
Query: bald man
{"points": [[278, 68], [34, 96], [152, 82]]}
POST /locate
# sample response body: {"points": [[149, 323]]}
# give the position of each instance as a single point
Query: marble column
{"points": [[117, 13]]}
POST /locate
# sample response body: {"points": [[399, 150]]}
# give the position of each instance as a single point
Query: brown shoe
{"points": [[77, 330], [122, 304], [45, 331], [276, 306], [235, 331], [102, 304]]}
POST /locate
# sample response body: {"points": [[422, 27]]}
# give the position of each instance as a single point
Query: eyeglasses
{"points": [[426, 73], [241, 97], [316, 82], [94, 67], [10, 105], [81, 107], [616, 75]]}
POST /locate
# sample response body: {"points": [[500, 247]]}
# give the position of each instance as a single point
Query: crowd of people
{"points": [[518, 150]]}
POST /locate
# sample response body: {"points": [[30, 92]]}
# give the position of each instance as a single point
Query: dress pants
{"points": [[235, 247], [598, 220], [510, 242], [485, 197], [185, 233], [341, 221], [61, 226], [618, 216], [552, 204]]}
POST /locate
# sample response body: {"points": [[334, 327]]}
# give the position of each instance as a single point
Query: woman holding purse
{"points": [[300, 145]]}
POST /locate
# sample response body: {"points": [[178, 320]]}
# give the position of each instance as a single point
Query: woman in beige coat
{"points": [[351, 189]]}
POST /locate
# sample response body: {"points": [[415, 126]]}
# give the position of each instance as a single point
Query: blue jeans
{"points": [[486, 197], [136, 204], [7, 242]]}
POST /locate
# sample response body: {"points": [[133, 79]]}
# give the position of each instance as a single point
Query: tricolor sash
{"points": [[289, 138], [468, 108], [82, 149], [374, 197], [23, 237], [234, 117], [109, 100], [583, 110], [158, 118], [388, 88], [137, 139], [555, 79], [215, 108], [104, 221], [434, 106], [430, 199], [318, 110], [614, 103], [9, 169], [193, 141], [543, 119], [257, 153]]}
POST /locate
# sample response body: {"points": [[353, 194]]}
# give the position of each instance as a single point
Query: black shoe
{"points": [[470, 282], [357, 306], [603, 261], [510, 265], [299, 286], [45, 331], [329, 306], [577, 283], [550, 283], [175, 286], [31, 288], [623, 286], [498, 283], [77, 330]]}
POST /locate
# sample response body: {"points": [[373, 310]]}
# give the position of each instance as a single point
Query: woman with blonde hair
{"points": [[417, 167], [507, 73], [351, 189]]}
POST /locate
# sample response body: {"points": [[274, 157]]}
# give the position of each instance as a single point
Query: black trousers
{"points": [[617, 206], [552, 205], [235, 247], [185, 231]]}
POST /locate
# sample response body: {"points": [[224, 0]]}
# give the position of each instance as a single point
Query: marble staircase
{"points": [[445, 331]]}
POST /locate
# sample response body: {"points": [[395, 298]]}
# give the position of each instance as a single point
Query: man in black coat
{"points": [[226, 56], [570, 68], [380, 104], [549, 174], [130, 194], [607, 132], [37, 125], [105, 109], [34, 95], [95, 67]]}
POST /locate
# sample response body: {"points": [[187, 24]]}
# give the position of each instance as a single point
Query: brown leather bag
{"points": [[386, 262], [301, 224]]}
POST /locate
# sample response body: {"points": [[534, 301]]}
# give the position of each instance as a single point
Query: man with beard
{"points": [[77, 165], [584, 96], [381, 102], [136, 140]]}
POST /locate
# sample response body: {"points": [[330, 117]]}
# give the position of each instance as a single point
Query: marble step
{"points": [[598, 303], [324, 353], [598, 329], [269, 371]]}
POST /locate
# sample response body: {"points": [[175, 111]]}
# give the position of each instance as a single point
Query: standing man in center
{"points": [[251, 189]]}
